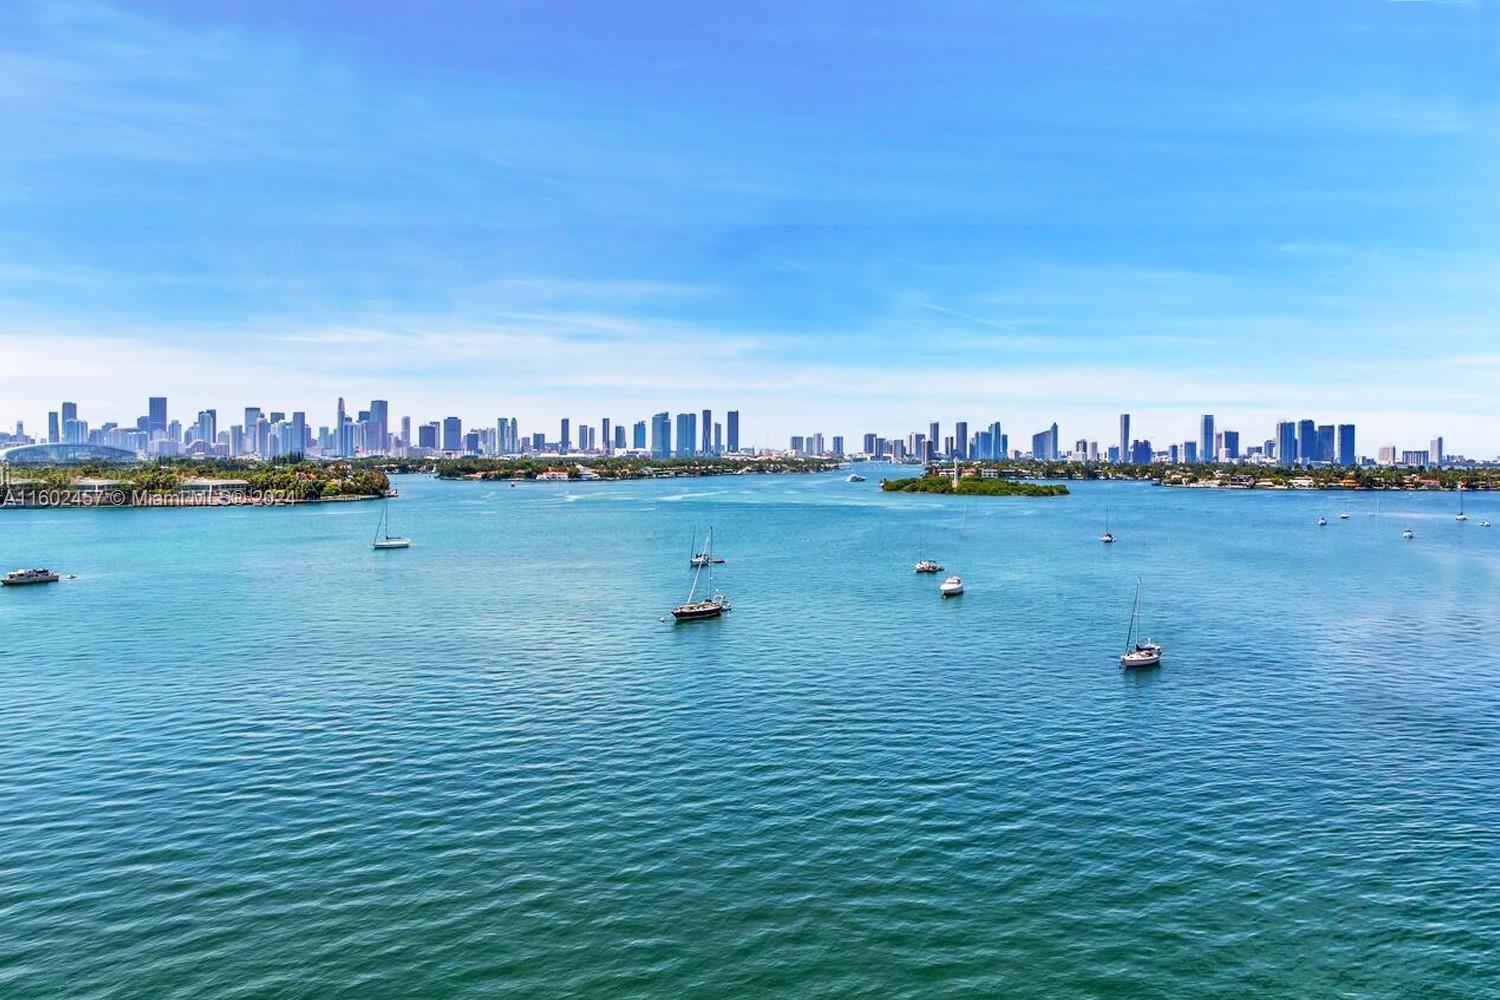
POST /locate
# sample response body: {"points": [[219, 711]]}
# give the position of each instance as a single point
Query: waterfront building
{"points": [[1307, 442], [1229, 446], [156, 415], [1206, 438], [661, 435], [687, 434], [638, 439], [565, 440], [838, 446], [732, 430], [796, 445], [718, 438], [1435, 454], [1387, 454], [1124, 449], [1347, 455], [1190, 452], [453, 434], [1417, 458], [706, 430], [620, 436], [1327, 449], [960, 439], [1286, 443]]}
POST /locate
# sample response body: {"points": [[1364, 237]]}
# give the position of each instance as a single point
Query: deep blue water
{"points": [[244, 755]]}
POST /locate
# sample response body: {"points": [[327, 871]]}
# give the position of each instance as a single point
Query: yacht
{"points": [[1139, 654], [383, 537], [927, 566], [21, 577], [715, 604], [951, 587]]}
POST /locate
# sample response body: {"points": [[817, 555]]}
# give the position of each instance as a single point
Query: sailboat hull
{"points": [[393, 543], [698, 611]]}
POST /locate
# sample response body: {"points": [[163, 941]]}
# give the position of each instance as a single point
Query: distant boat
{"points": [[715, 605], [1408, 533], [1107, 538], [927, 566], [1461, 515], [1138, 654], [22, 577], [1322, 522], [854, 477], [951, 587], [383, 537], [1484, 522]]}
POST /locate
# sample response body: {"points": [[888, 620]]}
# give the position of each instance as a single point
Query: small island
{"points": [[973, 486], [192, 483], [546, 469]]}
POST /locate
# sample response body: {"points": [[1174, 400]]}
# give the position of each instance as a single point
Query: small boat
{"points": [[715, 605], [1461, 516], [22, 577], [1408, 533], [1322, 522], [1344, 514], [854, 477], [383, 537], [951, 587], [1108, 537], [927, 566], [704, 559], [1139, 654]]}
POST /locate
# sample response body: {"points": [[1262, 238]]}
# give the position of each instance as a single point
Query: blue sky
{"points": [[836, 217]]}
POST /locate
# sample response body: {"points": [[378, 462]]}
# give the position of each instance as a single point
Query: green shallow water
{"points": [[243, 755]]}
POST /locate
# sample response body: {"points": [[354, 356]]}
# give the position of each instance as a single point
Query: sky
{"points": [[835, 217]]}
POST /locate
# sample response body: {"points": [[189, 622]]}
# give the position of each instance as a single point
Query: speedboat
{"points": [[927, 566], [1484, 522], [1408, 533], [951, 587], [1322, 522], [854, 477], [21, 577]]}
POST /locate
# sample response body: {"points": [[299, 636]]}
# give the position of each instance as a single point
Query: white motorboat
{"points": [[1408, 533], [951, 587], [927, 566], [22, 577], [1322, 522], [854, 477]]}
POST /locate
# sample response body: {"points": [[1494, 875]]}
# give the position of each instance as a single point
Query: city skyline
{"points": [[354, 432], [1058, 213]]}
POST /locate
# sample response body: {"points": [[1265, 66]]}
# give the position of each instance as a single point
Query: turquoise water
{"points": [[244, 755]]}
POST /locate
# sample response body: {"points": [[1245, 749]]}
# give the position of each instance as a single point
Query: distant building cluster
{"points": [[271, 434]]}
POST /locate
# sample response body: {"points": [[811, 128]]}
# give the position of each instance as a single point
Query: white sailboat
{"points": [[1138, 654], [1108, 537], [1461, 515], [715, 605], [383, 537]]}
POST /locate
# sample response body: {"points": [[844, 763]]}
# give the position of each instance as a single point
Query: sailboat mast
{"points": [[1134, 610]]}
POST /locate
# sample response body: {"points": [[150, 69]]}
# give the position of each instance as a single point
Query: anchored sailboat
{"points": [[1461, 515], [1108, 537], [715, 605], [383, 537], [1138, 654]]}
